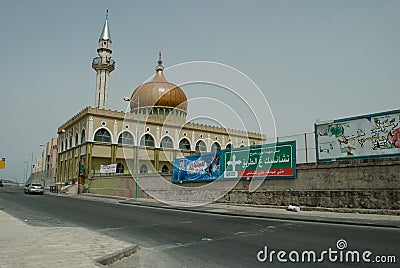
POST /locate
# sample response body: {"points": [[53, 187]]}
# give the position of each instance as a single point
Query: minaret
{"points": [[103, 65]]}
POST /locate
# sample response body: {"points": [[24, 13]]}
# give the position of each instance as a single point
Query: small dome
{"points": [[159, 92]]}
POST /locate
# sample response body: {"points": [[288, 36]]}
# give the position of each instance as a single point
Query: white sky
{"points": [[311, 59]]}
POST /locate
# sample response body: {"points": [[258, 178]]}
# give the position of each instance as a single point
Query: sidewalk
{"points": [[278, 213], [24, 245]]}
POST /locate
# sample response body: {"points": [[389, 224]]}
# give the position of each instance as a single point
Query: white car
{"points": [[33, 188]]}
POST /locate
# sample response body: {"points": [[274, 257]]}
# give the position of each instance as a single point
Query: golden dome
{"points": [[159, 92]]}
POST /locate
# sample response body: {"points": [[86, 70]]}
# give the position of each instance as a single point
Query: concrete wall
{"points": [[382, 173], [116, 186], [362, 199], [367, 183]]}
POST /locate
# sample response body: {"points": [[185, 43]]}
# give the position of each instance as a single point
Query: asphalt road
{"points": [[169, 238]]}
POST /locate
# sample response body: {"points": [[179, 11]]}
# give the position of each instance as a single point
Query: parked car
{"points": [[33, 188]]}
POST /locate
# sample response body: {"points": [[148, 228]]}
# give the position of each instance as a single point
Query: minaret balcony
{"points": [[103, 63]]}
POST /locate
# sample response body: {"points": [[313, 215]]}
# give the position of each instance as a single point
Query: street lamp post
{"points": [[26, 171], [31, 162], [45, 165], [22, 176], [137, 149], [137, 145]]}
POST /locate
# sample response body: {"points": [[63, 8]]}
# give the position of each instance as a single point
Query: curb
{"points": [[272, 217], [391, 212], [118, 255], [105, 196]]}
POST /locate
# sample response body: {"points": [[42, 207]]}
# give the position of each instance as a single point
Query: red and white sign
{"points": [[112, 168]]}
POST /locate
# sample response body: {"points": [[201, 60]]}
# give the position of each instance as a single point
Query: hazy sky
{"points": [[311, 59]]}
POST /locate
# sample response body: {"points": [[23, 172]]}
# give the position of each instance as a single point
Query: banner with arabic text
{"points": [[268, 161], [111, 168]]}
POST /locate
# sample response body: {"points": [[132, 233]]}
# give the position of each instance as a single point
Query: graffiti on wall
{"points": [[366, 136]]}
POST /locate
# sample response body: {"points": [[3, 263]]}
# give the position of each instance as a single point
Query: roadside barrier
{"points": [[54, 189]]}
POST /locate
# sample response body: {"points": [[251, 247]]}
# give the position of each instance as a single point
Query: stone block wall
{"points": [[362, 199], [364, 184]]}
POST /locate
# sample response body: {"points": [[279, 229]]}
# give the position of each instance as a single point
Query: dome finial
{"points": [[159, 67], [106, 14]]}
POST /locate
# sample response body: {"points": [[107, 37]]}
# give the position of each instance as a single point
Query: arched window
{"points": [[62, 146], [102, 135], [76, 139], [83, 136], [70, 142], [166, 142], [147, 140], [125, 138], [184, 144], [201, 146], [215, 147], [120, 168], [165, 169], [143, 169], [228, 146]]}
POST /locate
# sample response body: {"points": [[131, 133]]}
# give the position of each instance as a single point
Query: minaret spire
{"points": [[103, 65], [105, 34]]}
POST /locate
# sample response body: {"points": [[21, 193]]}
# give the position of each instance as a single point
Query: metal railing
{"points": [[99, 61], [111, 174], [54, 189]]}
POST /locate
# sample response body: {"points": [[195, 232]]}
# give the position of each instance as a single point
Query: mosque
{"points": [[144, 140]]}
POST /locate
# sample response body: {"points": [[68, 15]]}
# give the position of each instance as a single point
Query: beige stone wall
{"points": [[101, 150], [364, 184], [73, 150]]}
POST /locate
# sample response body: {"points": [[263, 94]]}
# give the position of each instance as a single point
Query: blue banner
{"points": [[197, 168]]}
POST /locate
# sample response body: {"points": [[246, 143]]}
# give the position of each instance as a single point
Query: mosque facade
{"points": [[144, 140]]}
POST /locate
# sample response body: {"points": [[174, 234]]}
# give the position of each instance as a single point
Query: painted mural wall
{"points": [[364, 136]]}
